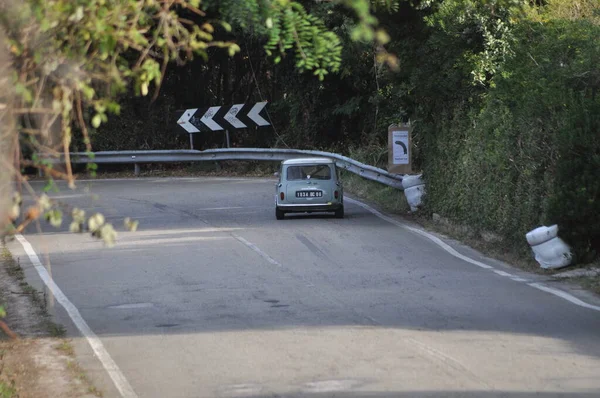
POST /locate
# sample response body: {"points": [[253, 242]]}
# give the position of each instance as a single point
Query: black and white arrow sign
{"points": [[217, 118]]}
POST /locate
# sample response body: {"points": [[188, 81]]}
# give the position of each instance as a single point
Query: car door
{"points": [[309, 184]]}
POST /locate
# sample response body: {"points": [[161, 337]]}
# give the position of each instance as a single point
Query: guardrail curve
{"points": [[259, 154]]}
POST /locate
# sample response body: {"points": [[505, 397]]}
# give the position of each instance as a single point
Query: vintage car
{"points": [[309, 185]]}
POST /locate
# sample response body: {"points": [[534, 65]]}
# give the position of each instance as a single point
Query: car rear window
{"points": [[313, 172]]}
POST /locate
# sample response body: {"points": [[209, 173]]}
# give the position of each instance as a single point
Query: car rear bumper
{"points": [[301, 208]]}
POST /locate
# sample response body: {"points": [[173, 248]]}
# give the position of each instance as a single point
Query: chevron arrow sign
{"points": [[217, 118]]}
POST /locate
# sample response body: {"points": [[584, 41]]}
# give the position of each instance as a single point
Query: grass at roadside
{"points": [[77, 371], [387, 198], [7, 390]]}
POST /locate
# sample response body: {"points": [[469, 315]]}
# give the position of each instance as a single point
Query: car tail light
{"points": [[282, 195], [336, 194]]}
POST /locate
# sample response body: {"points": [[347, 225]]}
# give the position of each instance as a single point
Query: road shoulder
{"points": [[40, 362]]}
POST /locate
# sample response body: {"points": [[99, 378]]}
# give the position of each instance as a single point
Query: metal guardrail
{"points": [[260, 154]]}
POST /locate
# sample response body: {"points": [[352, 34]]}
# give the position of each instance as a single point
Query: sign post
{"points": [[399, 149]]}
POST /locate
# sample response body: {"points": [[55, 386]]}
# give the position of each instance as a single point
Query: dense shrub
{"points": [[529, 153]]}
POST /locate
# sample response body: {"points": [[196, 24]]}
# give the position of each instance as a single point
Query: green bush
{"points": [[528, 153]]}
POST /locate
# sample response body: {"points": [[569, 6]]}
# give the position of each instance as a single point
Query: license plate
{"points": [[309, 194]]}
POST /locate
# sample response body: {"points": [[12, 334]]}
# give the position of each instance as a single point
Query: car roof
{"points": [[308, 161]]}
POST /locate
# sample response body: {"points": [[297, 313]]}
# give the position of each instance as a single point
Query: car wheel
{"points": [[279, 214], [339, 213]]}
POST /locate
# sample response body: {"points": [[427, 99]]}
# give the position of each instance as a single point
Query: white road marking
{"points": [[330, 386], [518, 279], [257, 250], [108, 363], [241, 390], [559, 293], [232, 208], [564, 295], [76, 195], [502, 273], [131, 306], [429, 236]]}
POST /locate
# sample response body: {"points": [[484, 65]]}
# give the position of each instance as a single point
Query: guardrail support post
{"points": [[136, 169]]}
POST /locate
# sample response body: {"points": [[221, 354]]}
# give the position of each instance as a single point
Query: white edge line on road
{"points": [[429, 236], [559, 293], [564, 295], [257, 250], [518, 279], [108, 363]]}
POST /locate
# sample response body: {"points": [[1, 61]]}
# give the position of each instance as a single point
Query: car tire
{"points": [[279, 214], [339, 213]]}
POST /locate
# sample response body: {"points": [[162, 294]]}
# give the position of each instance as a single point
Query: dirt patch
{"points": [[587, 277], [35, 368], [38, 363]]}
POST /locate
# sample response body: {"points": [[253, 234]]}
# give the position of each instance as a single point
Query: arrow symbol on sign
{"points": [[402, 145], [254, 114], [184, 121], [231, 117], [207, 118]]}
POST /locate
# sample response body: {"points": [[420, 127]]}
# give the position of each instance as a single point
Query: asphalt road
{"points": [[213, 297]]}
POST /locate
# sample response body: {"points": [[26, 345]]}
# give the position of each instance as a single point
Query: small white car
{"points": [[309, 185]]}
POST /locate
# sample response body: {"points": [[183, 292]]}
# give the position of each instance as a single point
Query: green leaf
{"points": [[226, 26], [24, 92], [54, 217], [44, 202], [78, 215], [95, 222], [233, 49], [108, 234], [130, 224], [96, 120], [75, 227], [51, 185], [87, 91]]}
